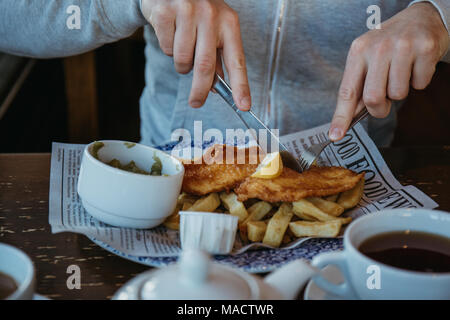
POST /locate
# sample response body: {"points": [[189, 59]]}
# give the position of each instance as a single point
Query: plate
{"points": [[332, 274], [253, 261]]}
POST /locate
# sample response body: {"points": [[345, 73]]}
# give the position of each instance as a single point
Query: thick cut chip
{"points": [[233, 205], [292, 186], [206, 204], [256, 230], [315, 229], [304, 216], [256, 212], [186, 198], [351, 198], [345, 220], [277, 225], [306, 208], [186, 206], [173, 221], [326, 206], [221, 169], [332, 198]]}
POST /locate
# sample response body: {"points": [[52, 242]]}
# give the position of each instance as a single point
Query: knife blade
{"points": [[251, 121]]}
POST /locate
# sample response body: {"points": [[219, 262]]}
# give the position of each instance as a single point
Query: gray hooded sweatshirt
{"points": [[295, 50]]}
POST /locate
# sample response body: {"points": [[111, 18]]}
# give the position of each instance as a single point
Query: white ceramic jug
{"points": [[195, 276]]}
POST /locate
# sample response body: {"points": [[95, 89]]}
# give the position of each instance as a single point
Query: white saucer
{"points": [[332, 274], [39, 297]]}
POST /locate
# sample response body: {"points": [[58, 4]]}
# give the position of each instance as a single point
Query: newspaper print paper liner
{"points": [[66, 213], [253, 261]]}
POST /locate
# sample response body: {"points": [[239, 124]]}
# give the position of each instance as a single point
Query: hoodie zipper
{"points": [[276, 40]]}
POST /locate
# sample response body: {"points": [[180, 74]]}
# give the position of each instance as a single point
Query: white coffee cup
{"points": [[16, 264], [390, 282]]}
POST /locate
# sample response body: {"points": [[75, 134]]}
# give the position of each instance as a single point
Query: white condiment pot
{"points": [[196, 277]]}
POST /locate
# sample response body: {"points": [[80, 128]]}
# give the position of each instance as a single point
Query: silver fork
{"points": [[309, 155]]}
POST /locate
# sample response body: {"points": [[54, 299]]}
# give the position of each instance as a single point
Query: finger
{"points": [[375, 86], [359, 107], [219, 67], [164, 25], [423, 71], [234, 59], [400, 75], [184, 41], [219, 63], [349, 94], [204, 65]]}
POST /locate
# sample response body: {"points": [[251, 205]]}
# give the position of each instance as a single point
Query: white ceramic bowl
{"points": [[125, 199], [15, 263]]}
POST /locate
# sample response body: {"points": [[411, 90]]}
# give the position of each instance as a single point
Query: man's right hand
{"points": [[194, 32]]}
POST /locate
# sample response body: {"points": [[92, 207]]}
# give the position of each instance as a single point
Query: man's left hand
{"points": [[382, 63]]}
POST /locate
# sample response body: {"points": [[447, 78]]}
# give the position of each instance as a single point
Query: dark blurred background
{"points": [[96, 95]]}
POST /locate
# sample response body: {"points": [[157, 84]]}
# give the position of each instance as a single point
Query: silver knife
{"points": [[251, 121]]}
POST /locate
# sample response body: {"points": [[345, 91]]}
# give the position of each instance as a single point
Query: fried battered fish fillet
{"points": [[214, 174], [292, 186], [221, 168]]}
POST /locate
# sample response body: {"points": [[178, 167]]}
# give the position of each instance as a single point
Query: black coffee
{"points": [[7, 286], [411, 250]]}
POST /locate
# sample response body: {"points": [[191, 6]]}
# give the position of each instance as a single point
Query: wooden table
{"points": [[24, 187]]}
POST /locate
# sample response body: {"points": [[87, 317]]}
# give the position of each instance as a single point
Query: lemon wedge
{"points": [[271, 166]]}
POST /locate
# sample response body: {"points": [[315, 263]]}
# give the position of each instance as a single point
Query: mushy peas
{"points": [[155, 170]]}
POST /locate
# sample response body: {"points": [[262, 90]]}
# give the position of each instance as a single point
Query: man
{"points": [[306, 61]]}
